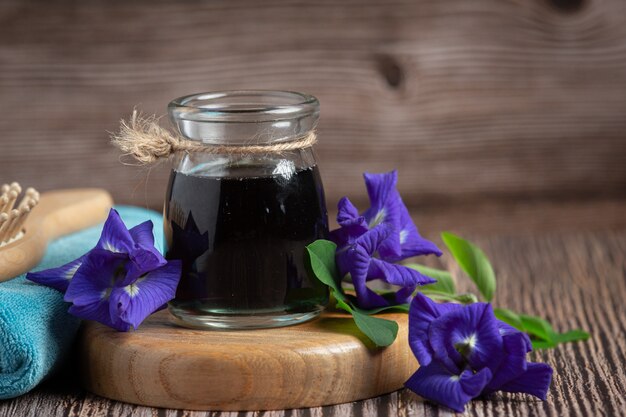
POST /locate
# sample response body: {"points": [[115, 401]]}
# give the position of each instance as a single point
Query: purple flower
{"points": [[137, 244], [356, 258], [121, 281], [465, 352], [386, 208], [369, 243], [57, 278]]}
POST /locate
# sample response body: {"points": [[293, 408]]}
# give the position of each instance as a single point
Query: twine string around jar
{"points": [[143, 138]]}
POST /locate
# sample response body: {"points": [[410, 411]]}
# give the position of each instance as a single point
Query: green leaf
{"points": [[572, 336], [538, 327], [509, 317], [541, 344], [445, 282], [380, 331], [474, 262], [541, 332], [322, 260], [398, 307], [344, 306], [575, 335]]}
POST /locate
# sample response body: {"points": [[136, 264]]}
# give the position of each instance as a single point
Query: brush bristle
{"points": [[14, 211]]}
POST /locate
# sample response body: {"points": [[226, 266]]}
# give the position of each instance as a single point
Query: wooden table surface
{"points": [[560, 261]]}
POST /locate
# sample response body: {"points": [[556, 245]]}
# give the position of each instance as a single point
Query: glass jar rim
{"points": [[243, 106]]}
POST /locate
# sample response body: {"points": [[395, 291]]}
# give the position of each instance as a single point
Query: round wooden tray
{"points": [[325, 361]]}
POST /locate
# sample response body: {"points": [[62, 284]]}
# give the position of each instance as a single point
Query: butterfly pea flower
{"points": [[352, 225], [465, 352], [57, 278], [368, 244], [121, 281], [386, 207], [357, 259]]}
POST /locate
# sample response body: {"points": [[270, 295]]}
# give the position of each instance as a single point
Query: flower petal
{"points": [[348, 216], [142, 260], [142, 234], [341, 237], [144, 255], [467, 334], [405, 295], [372, 239], [93, 281], [57, 278], [411, 243], [380, 188], [474, 383], [535, 381], [118, 302], [396, 274], [115, 236], [385, 208], [422, 312], [511, 363], [355, 260], [368, 299], [148, 293], [390, 248], [98, 311], [506, 329], [437, 384], [352, 260], [352, 225]]}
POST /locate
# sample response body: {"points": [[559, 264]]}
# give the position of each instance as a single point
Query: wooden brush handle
{"points": [[58, 213]]}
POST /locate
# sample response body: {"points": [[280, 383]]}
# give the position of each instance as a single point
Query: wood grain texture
{"points": [[321, 362], [497, 98], [59, 213], [524, 217], [573, 278]]}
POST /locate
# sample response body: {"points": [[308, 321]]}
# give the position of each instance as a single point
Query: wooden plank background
{"points": [[497, 99]]}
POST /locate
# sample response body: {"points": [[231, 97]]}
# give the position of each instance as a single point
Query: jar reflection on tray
{"points": [[240, 221]]}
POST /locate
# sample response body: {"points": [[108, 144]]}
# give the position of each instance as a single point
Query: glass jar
{"points": [[240, 221]]}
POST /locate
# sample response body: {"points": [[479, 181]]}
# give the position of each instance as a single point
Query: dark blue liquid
{"points": [[242, 241]]}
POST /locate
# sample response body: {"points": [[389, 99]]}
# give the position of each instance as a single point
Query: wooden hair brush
{"points": [[29, 222]]}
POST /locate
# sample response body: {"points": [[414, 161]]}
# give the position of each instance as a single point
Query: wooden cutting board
{"points": [[325, 361]]}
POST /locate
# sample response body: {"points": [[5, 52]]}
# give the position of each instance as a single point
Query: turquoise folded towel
{"points": [[35, 328]]}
